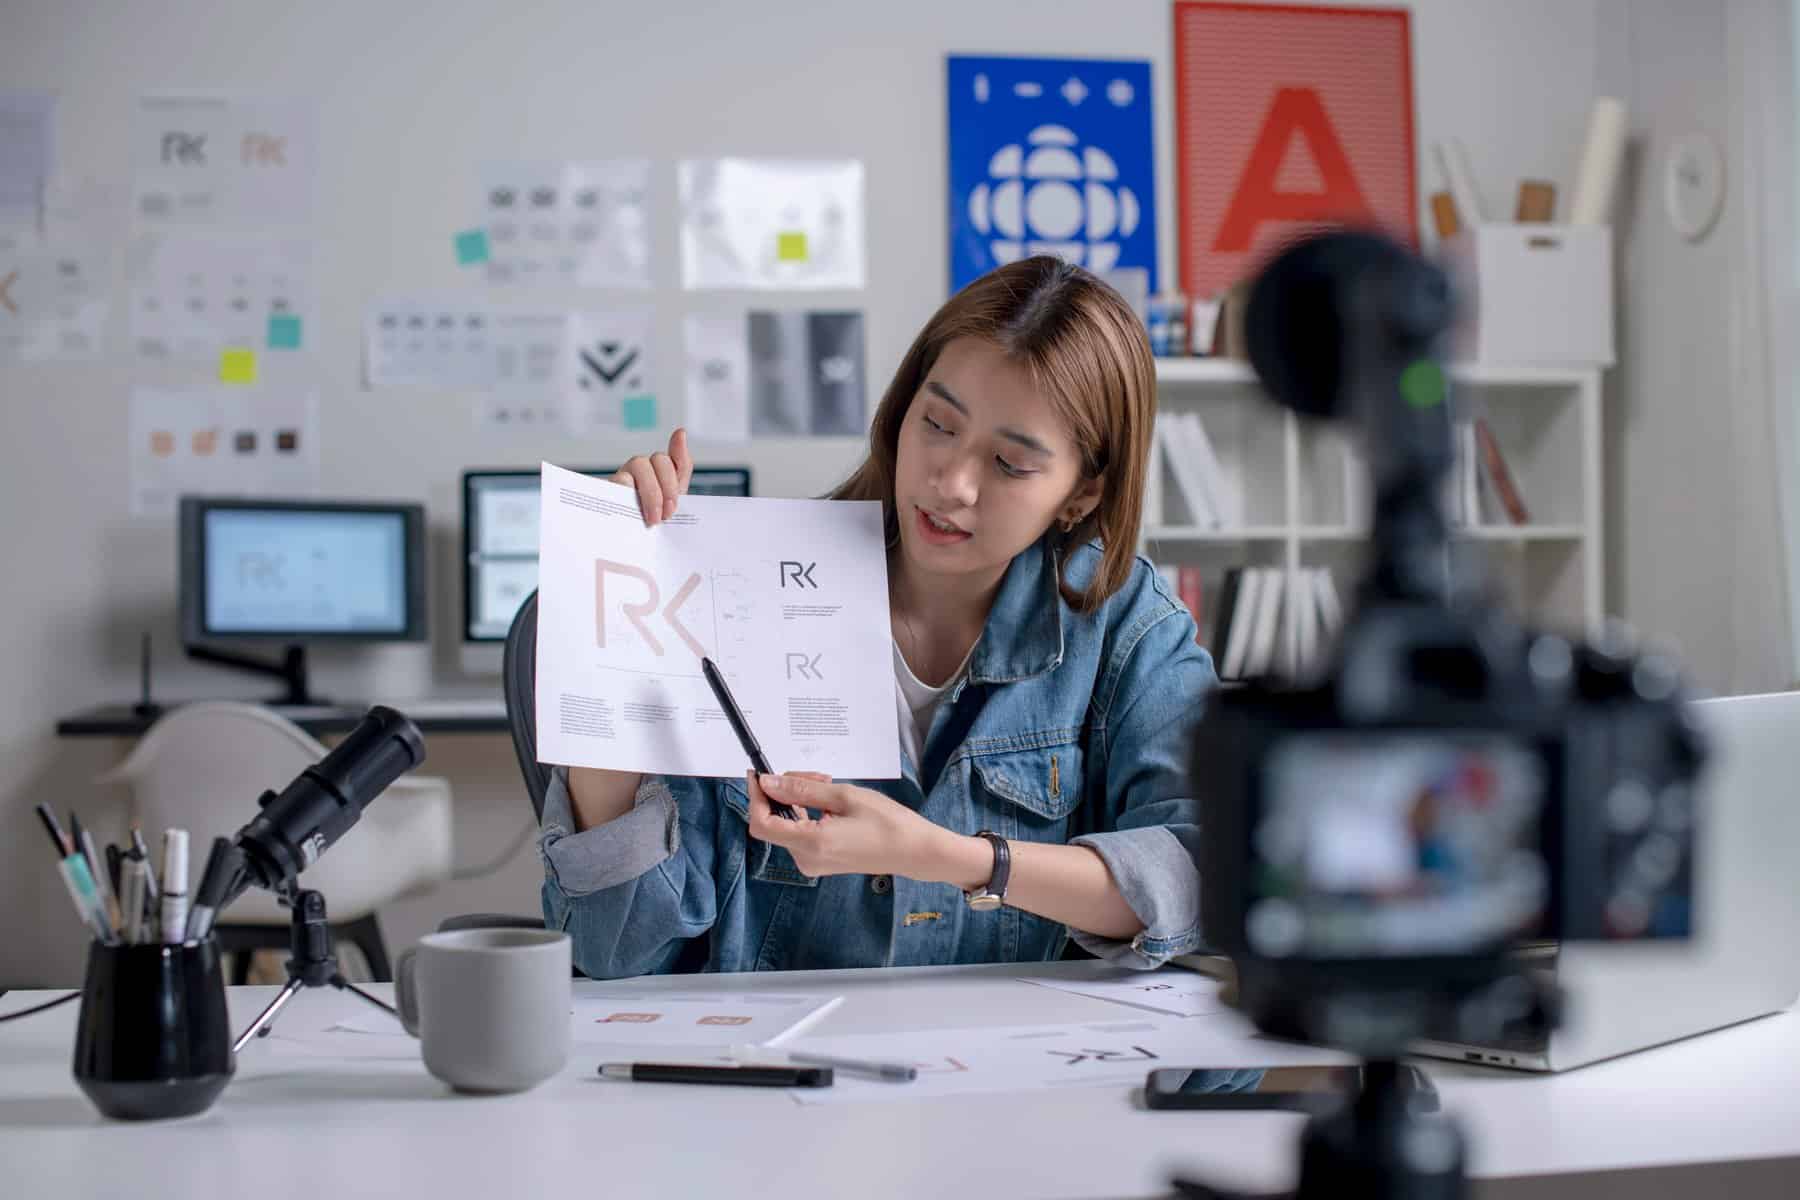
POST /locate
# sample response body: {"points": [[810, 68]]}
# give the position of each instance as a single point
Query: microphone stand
{"points": [[314, 962]]}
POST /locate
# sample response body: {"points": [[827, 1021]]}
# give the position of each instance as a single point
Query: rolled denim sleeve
{"points": [[632, 892], [1151, 831]]}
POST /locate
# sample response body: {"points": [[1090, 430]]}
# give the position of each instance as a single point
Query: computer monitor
{"points": [[298, 571], [500, 549]]}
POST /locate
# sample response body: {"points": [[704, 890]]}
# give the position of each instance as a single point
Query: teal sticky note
{"points": [[471, 247], [640, 412], [284, 331]]}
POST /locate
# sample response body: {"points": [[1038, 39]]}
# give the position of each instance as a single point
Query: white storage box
{"points": [[1534, 294]]}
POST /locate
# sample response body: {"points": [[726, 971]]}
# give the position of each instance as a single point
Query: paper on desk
{"points": [[1178, 993], [789, 597], [665, 1019], [1030, 1057]]}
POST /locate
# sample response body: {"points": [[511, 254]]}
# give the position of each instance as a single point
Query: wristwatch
{"points": [[993, 894]]}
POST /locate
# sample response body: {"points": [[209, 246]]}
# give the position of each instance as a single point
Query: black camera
{"points": [[1377, 838]]}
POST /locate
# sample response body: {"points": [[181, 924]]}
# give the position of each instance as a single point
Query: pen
{"points": [[222, 865], [76, 878], [715, 679], [742, 1076], [143, 852], [132, 877], [174, 886], [84, 839], [890, 1071], [115, 862]]}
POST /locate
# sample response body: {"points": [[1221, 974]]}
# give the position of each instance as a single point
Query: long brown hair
{"points": [[1087, 352]]}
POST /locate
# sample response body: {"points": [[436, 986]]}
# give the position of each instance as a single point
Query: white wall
{"points": [[1691, 503], [413, 97]]}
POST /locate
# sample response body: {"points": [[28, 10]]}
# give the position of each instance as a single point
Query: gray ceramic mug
{"points": [[490, 1007]]}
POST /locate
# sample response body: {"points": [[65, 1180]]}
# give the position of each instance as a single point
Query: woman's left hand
{"points": [[858, 830]]}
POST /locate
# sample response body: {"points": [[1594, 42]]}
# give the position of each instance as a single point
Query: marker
{"points": [[133, 876], [77, 879], [716, 680], [174, 886], [222, 866], [741, 1076]]}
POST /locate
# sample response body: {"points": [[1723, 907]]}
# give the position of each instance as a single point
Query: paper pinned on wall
{"points": [[771, 223], [53, 302], [717, 371], [428, 341], [221, 441], [582, 223], [776, 373], [230, 161], [195, 293], [27, 155], [612, 387], [533, 373]]}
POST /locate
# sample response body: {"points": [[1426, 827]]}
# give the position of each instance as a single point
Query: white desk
{"points": [[311, 1128]]}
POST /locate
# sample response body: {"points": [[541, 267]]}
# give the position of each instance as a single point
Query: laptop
{"points": [[1744, 959]]}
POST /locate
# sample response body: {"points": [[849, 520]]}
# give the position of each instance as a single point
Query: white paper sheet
{"points": [[53, 302], [228, 161], [584, 223], [194, 294], [664, 1019], [1173, 991], [789, 597], [771, 223], [612, 388], [27, 148], [426, 341], [221, 441], [718, 377], [533, 373], [1120, 1053]]}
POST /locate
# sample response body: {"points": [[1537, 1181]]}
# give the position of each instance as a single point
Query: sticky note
{"points": [[790, 246], [471, 247], [237, 365], [284, 331], [640, 412]]}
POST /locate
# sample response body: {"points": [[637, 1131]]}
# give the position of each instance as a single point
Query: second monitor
{"points": [[500, 549]]}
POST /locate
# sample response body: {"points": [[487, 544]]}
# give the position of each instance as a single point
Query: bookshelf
{"points": [[1304, 493]]}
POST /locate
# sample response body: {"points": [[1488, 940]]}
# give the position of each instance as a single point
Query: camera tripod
{"points": [[313, 963], [1376, 1145]]}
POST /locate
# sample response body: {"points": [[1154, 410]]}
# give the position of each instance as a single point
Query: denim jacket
{"points": [[1066, 728]]}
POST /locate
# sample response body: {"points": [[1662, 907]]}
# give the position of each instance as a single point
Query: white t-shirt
{"points": [[918, 702]]}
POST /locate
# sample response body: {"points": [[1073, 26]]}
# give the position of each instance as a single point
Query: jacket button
{"points": [[881, 885]]}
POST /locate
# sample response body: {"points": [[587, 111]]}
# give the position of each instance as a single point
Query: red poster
{"points": [[1287, 120]]}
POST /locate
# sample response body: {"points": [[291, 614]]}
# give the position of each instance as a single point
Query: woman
{"points": [[1046, 683]]}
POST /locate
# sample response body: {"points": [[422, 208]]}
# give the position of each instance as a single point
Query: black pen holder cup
{"points": [[154, 1038]]}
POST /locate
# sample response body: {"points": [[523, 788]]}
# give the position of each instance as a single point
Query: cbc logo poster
{"points": [[1051, 156]]}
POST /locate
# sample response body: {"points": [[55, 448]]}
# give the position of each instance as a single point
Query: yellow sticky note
{"points": [[790, 246], [237, 365]]}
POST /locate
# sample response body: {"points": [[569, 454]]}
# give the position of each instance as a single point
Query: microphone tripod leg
{"points": [[261, 1024]]}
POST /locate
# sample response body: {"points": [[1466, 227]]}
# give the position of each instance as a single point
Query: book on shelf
{"points": [[1226, 493], [1498, 476], [1242, 587], [1195, 496], [1192, 591], [1261, 658]]}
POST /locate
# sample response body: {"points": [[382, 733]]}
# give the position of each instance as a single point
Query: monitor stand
{"points": [[291, 670]]}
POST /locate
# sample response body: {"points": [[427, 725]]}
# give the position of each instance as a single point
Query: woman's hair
{"points": [[1087, 353]]}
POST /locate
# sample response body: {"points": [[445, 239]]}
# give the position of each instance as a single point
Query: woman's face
{"points": [[984, 466]]}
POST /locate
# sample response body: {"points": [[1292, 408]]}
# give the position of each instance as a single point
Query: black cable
{"points": [[26, 1012]]}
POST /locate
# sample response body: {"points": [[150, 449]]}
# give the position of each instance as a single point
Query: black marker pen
{"points": [[742, 1076], [716, 680]]}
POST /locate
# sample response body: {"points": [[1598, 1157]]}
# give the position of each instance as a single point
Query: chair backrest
{"points": [[519, 682]]}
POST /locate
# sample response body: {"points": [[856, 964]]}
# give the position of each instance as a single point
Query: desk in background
{"points": [[1709, 1115], [430, 715]]}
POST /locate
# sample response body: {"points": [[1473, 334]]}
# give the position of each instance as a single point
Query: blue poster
{"points": [[1051, 156]]}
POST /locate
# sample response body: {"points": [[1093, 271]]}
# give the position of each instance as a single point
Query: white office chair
{"points": [[202, 768]]}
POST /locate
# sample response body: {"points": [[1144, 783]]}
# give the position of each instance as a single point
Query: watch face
{"points": [[986, 902]]}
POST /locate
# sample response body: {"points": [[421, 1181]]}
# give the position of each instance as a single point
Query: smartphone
{"points": [[1300, 1089]]}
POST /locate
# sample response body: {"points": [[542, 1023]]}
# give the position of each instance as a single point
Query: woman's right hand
{"points": [[660, 478]]}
